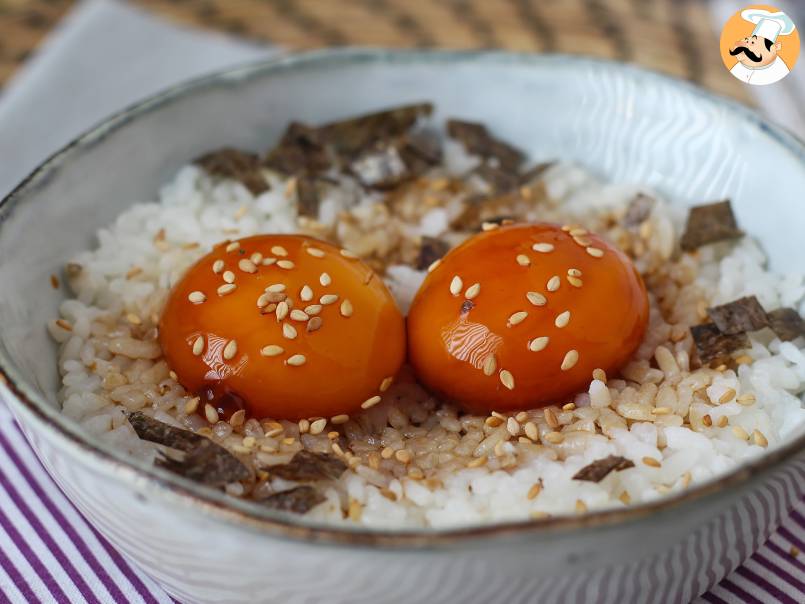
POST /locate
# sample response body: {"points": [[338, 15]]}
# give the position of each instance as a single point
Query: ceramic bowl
{"points": [[621, 122]]}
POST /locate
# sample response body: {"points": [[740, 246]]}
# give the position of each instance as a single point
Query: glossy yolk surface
{"points": [[288, 326], [520, 316]]}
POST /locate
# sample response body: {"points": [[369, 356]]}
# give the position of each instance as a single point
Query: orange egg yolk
{"points": [[286, 326], [520, 316]]}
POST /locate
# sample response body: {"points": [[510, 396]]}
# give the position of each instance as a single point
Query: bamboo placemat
{"points": [[672, 36]]}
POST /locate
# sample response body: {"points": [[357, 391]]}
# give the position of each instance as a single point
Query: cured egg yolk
{"points": [[287, 326], [520, 316]]}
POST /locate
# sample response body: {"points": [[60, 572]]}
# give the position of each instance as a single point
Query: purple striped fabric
{"points": [[49, 553]]}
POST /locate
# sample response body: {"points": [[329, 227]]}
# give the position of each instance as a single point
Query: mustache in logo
{"points": [[743, 49]]}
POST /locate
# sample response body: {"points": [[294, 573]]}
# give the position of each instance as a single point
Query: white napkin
{"points": [[104, 56]]}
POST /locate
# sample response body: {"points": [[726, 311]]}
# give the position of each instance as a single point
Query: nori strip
{"points": [[712, 345], [307, 195], [708, 224], [307, 466], [786, 323], [600, 468], [501, 178], [639, 210], [238, 165], [299, 151], [742, 315], [430, 251], [476, 140], [381, 167], [299, 500]]}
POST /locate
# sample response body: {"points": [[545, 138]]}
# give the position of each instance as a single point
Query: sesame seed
{"points": [[523, 260], [198, 345], [534, 491], [722, 421], [247, 266], [472, 291], [536, 298], [211, 414], [516, 318], [276, 288], [582, 241], [538, 344], [740, 433], [339, 419], [554, 438], [133, 272], [489, 226], [744, 359], [314, 324], [651, 462], [707, 421], [600, 375], [278, 250], [456, 284], [543, 248], [289, 331], [575, 281], [370, 402], [318, 426], [575, 232], [513, 426], [229, 276], [232, 246], [306, 294], [299, 315], [573, 272], [507, 379], [568, 406], [230, 350], [271, 350], [434, 264], [570, 360], [315, 252], [328, 299], [325, 279], [348, 254], [595, 252], [387, 453], [225, 289], [490, 364], [191, 405], [661, 411], [296, 360], [286, 264], [346, 308], [553, 283], [313, 309], [268, 261], [282, 310], [728, 395], [477, 462], [386, 384], [746, 399], [217, 266], [262, 301], [133, 319], [562, 319], [531, 431], [550, 418], [581, 507], [759, 438], [257, 258], [173, 375], [493, 422], [196, 297]]}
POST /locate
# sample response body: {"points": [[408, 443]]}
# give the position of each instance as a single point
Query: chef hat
{"points": [[767, 24]]}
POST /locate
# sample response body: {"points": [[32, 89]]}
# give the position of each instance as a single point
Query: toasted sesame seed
{"points": [[498, 415], [534, 491], [728, 395], [661, 411], [722, 421], [328, 299], [386, 383], [531, 431], [339, 419], [562, 319], [133, 272], [523, 260], [217, 266], [570, 360], [296, 360], [472, 291], [229, 276], [490, 364], [538, 344], [262, 301], [286, 264], [595, 252], [516, 318], [271, 350], [237, 418], [553, 283], [230, 350], [196, 297], [211, 414], [489, 226], [268, 261], [759, 438], [325, 279], [289, 331], [257, 258], [247, 266], [191, 405], [315, 252], [744, 359], [306, 294], [513, 426], [225, 289], [740, 433], [582, 241], [507, 379], [707, 420], [600, 375], [575, 281], [313, 309], [278, 250], [746, 399], [318, 426], [133, 319], [289, 441], [173, 375], [346, 308], [198, 345], [568, 406], [456, 284], [347, 254], [543, 248], [314, 324], [573, 272], [554, 438], [434, 264], [282, 310], [232, 246], [651, 462], [299, 315], [387, 453], [578, 231], [536, 298], [370, 402], [493, 422], [581, 507], [477, 462], [550, 418]]}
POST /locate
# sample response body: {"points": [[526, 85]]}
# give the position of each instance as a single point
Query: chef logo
{"points": [[759, 45]]}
